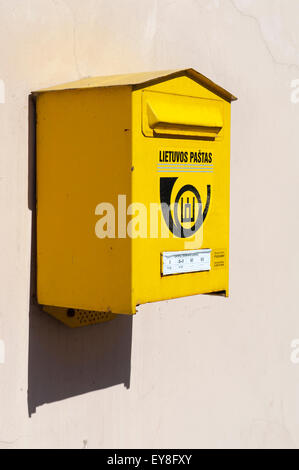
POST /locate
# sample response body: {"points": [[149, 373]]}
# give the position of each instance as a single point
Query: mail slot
{"points": [[132, 193], [177, 115]]}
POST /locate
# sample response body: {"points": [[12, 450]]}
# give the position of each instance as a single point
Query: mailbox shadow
{"points": [[65, 362]]}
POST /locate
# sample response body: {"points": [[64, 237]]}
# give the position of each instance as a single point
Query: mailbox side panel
{"points": [[83, 164], [155, 175]]}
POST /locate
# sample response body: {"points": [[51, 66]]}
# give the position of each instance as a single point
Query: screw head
{"points": [[70, 312]]}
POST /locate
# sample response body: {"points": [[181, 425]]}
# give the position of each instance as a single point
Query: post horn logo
{"points": [[187, 217]]}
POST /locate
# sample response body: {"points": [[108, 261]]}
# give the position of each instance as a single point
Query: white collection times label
{"points": [[178, 262]]}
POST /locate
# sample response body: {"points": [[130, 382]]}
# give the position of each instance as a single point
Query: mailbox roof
{"points": [[142, 80]]}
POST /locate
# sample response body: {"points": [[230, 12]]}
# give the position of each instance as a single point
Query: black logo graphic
{"points": [[184, 208]]}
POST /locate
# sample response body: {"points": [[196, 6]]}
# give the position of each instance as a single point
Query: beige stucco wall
{"points": [[203, 371]]}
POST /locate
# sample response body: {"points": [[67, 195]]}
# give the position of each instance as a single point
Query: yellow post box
{"points": [[132, 192]]}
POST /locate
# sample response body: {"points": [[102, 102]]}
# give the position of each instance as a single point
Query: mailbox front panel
{"points": [[181, 145]]}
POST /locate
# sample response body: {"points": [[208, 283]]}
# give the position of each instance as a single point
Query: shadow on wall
{"points": [[65, 362]]}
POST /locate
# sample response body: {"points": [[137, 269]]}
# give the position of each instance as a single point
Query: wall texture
{"points": [[195, 372]]}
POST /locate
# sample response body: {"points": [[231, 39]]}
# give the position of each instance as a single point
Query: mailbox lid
{"points": [[142, 80]]}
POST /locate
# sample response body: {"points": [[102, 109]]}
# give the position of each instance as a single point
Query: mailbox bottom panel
{"points": [[77, 317]]}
